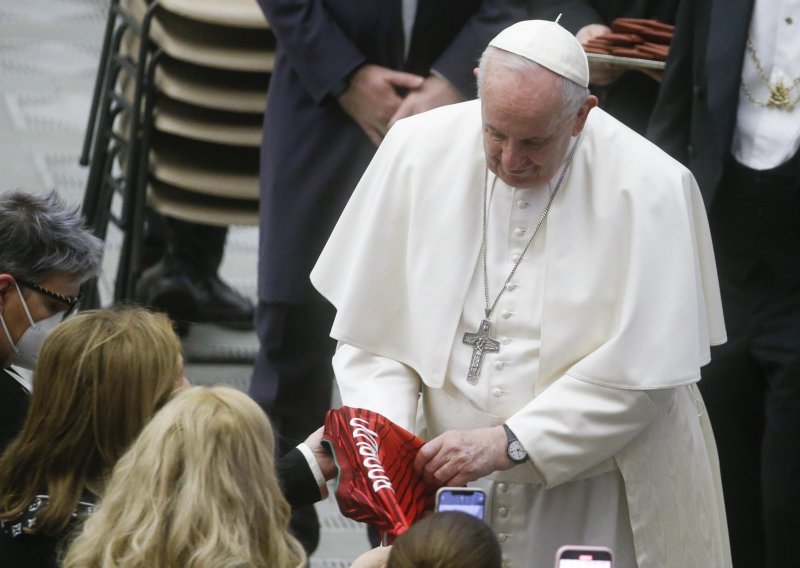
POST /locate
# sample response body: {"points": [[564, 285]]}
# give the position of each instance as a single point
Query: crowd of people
{"points": [[600, 331]]}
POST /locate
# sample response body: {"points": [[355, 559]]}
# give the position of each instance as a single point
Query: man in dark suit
{"points": [[628, 95], [730, 109], [345, 71]]}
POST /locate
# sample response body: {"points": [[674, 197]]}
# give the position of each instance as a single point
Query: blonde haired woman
{"points": [[197, 489], [100, 377]]}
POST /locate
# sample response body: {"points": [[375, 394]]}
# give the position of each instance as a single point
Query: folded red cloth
{"points": [[377, 483]]}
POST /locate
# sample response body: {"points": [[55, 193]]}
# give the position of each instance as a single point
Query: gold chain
{"points": [[780, 95]]}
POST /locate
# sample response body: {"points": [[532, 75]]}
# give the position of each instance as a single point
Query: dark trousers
{"points": [[195, 248], [292, 381], [752, 385]]}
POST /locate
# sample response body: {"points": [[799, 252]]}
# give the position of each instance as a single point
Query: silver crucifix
{"points": [[481, 343]]}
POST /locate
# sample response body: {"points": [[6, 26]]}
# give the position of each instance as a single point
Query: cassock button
{"points": [[503, 511], [506, 314], [502, 537], [522, 204], [497, 393], [519, 231], [512, 286], [514, 257], [499, 365], [502, 487], [505, 340]]}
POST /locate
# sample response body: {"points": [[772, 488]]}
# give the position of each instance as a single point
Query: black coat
{"points": [[313, 154], [13, 406], [695, 115]]}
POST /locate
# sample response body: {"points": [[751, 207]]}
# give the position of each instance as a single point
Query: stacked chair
{"points": [[176, 120]]}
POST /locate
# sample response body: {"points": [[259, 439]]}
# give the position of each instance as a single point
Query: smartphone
{"points": [[584, 557], [471, 500]]}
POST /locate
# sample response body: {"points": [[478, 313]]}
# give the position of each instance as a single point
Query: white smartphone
{"points": [[584, 557], [471, 500]]}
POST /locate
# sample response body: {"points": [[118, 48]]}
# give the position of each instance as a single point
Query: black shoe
{"points": [[203, 299]]}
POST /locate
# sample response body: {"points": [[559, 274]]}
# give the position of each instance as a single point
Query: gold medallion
{"points": [[780, 96]]}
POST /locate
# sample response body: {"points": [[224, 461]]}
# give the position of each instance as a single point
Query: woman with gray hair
{"points": [[45, 256]]}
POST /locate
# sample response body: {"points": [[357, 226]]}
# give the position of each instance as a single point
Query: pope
{"points": [[536, 281]]}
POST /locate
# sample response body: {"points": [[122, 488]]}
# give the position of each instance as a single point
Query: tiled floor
{"points": [[49, 53]]}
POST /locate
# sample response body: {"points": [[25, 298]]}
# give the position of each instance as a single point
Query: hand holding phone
{"points": [[584, 557]]}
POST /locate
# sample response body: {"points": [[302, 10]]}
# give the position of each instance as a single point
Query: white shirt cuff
{"points": [[312, 463]]}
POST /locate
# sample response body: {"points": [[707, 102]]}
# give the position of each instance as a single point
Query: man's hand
{"points": [[324, 459], [371, 99], [600, 74], [460, 456], [434, 92]]}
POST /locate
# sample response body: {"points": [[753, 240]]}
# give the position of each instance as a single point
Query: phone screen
{"points": [[584, 558], [471, 501]]}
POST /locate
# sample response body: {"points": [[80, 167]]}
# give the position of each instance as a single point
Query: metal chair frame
{"points": [[102, 145]]}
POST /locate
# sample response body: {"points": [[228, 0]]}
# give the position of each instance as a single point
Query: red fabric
{"points": [[377, 483]]}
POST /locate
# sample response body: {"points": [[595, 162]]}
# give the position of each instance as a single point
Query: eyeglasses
{"points": [[71, 301]]}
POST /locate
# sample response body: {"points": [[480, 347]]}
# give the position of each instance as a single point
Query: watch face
{"points": [[516, 452]]}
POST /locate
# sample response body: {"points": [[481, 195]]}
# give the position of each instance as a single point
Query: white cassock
{"points": [[602, 331]]}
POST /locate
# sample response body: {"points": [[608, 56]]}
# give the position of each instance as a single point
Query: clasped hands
{"points": [[377, 97]]}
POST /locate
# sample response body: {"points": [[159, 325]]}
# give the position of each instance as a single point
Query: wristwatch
{"points": [[514, 449]]}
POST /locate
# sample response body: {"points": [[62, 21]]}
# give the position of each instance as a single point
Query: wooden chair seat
{"points": [[207, 125], [211, 169], [221, 47], [234, 13], [199, 208], [212, 88]]}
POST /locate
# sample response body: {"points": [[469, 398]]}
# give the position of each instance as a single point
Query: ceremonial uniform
{"points": [[729, 109]]}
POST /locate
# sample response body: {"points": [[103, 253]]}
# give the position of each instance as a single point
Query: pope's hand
{"points": [[371, 99], [434, 92], [460, 456]]}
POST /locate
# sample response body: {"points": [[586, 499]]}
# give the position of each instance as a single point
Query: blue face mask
{"points": [[26, 351]]}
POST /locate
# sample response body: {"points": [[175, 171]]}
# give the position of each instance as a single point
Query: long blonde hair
{"points": [[198, 489], [100, 377]]}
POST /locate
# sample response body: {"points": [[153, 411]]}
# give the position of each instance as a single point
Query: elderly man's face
{"points": [[525, 129]]}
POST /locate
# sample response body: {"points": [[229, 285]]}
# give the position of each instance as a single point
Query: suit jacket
{"points": [[632, 97], [313, 154], [297, 481], [695, 114], [13, 406]]}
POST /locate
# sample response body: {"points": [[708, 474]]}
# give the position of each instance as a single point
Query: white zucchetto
{"points": [[549, 45]]}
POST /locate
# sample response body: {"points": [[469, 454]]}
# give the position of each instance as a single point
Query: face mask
{"points": [[26, 351]]}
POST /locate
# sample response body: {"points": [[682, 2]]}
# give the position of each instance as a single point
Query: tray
{"points": [[632, 62]]}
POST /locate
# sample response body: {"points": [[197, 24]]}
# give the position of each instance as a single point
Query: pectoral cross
{"points": [[481, 343]]}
